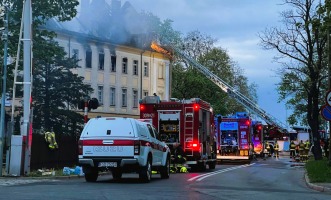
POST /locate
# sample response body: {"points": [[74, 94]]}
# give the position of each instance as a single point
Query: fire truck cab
{"points": [[188, 122], [234, 137]]}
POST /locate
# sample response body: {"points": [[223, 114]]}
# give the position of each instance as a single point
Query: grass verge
{"points": [[318, 171], [46, 173]]}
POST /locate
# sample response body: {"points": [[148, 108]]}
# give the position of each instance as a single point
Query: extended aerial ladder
{"points": [[240, 98]]}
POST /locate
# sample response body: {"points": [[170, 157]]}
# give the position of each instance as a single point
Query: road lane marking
{"points": [[203, 176]]}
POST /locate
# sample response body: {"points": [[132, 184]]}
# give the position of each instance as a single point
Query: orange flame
{"points": [[159, 49]]}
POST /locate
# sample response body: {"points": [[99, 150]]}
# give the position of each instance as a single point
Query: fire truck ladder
{"points": [[188, 127], [240, 98]]}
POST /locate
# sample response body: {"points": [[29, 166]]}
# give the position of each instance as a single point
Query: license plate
{"points": [[107, 164]]}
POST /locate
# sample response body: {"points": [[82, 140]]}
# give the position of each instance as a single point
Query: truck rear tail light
{"points": [[136, 148], [192, 145], [80, 147]]}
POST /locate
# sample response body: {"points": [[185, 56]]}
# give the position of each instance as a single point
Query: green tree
{"points": [[189, 82], [56, 90], [301, 45]]}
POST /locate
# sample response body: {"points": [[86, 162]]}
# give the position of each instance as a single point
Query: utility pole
{"points": [[4, 80], [27, 40]]}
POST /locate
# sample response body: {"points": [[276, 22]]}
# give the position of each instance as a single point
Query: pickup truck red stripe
{"points": [[107, 143], [122, 143], [118, 143]]}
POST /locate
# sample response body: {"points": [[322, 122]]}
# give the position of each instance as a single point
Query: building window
{"points": [[124, 97], [113, 63], [75, 54], [146, 69], [100, 94], [125, 66], [101, 61], [112, 96], [145, 93], [135, 67], [135, 98], [161, 68], [88, 59]]}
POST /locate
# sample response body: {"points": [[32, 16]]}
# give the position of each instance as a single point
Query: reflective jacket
{"points": [[50, 138], [267, 146], [276, 147], [307, 145], [292, 146]]}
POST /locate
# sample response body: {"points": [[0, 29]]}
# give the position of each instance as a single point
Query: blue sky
{"points": [[235, 24]]}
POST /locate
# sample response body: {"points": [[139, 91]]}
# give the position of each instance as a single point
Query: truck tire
{"points": [[91, 174], [202, 166], [165, 170], [212, 165], [116, 173], [145, 173]]}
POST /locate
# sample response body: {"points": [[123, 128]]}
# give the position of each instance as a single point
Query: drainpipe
{"points": [[141, 74], [69, 47]]}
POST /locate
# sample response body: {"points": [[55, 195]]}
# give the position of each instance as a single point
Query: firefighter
{"points": [[301, 150], [179, 159], [267, 147], [307, 147], [276, 148], [292, 149], [50, 139]]}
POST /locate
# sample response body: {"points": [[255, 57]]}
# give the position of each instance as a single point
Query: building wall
{"points": [[157, 81]]}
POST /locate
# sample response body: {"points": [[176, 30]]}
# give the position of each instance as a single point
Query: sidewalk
{"points": [[322, 187]]}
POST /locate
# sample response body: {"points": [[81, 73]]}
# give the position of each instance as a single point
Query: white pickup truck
{"points": [[122, 145]]}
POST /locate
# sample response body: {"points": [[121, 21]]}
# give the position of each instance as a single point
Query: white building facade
{"points": [[119, 75]]}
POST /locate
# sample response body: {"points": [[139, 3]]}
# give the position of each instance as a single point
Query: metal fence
{"points": [[42, 157]]}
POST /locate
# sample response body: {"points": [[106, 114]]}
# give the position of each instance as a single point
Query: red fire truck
{"points": [[234, 137], [189, 122]]}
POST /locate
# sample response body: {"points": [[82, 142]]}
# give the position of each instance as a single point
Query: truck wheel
{"points": [[165, 170], [91, 174], [116, 173], [202, 166], [145, 173], [212, 165]]}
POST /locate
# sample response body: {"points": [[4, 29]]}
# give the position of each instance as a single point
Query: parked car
{"points": [[122, 145]]}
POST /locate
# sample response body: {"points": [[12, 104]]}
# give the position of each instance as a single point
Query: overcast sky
{"points": [[235, 24]]}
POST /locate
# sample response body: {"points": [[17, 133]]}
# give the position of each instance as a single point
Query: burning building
{"points": [[115, 56]]}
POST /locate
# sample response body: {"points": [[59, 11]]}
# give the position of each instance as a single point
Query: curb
{"points": [[41, 177], [316, 187]]}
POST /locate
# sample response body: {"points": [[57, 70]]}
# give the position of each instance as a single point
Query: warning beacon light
{"points": [[196, 107], [259, 127]]}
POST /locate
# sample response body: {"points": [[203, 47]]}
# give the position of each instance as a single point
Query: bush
{"points": [[318, 171]]}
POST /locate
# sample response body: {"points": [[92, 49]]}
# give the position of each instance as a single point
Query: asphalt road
{"points": [[269, 179]]}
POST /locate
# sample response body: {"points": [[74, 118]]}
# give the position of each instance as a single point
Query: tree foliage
{"points": [[55, 89], [188, 82], [301, 46]]}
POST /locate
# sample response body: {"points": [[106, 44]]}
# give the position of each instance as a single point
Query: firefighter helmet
{"points": [[183, 170]]}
